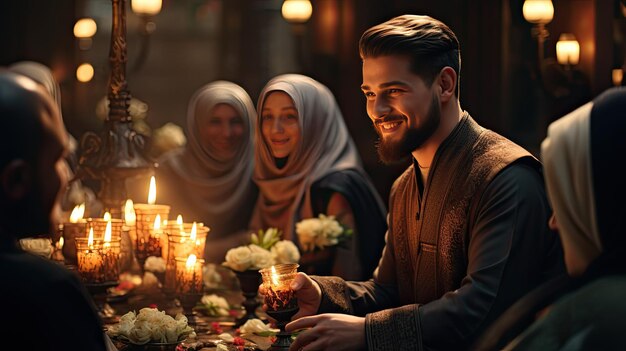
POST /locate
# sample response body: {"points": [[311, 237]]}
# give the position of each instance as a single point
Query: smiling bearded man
{"points": [[468, 233]]}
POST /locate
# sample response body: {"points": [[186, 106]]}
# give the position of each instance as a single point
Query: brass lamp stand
{"points": [[118, 152]]}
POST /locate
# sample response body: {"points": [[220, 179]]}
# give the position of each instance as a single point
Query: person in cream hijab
{"points": [[210, 179], [307, 164], [586, 311]]}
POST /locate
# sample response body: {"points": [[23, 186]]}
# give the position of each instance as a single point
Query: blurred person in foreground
{"points": [[45, 305], [585, 311], [468, 232]]}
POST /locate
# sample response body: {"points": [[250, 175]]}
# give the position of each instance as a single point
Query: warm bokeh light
{"points": [[152, 191], [567, 49], [617, 75], [538, 11], [60, 243], [77, 213], [84, 73], [146, 7], [85, 28], [297, 11]]}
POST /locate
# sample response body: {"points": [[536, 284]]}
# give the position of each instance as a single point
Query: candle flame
{"points": [[90, 240], [107, 232], [179, 220], [107, 216], [193, 232], [191, 261], [274, 276], [152, 192], [129, 213], [60, 243], [157, 222], [77, 213]]}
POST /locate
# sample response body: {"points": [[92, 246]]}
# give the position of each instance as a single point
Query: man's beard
{"points": [[391, 151]]}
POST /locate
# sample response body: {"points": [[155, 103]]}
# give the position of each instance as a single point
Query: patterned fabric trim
{"points": [[394, 329], [335, 297]]}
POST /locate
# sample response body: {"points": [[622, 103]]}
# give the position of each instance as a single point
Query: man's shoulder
{"points": [[19, 266], [404, 178]]}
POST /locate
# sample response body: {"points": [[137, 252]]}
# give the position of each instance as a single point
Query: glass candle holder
{"points": [[90, 260], [276, 281], [70, 231], [175, 229], [99, 227], [181, 245], [188, 276], [110, 257], [149, 242]]}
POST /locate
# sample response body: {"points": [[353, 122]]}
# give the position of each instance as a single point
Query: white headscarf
{"points": [[219, 186], [325, 146], [566, 155]]}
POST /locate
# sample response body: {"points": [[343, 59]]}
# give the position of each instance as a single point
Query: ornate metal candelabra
{"points": [[118, 152]]}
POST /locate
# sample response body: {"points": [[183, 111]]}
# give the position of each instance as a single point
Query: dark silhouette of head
{"points": [[32, 146]]}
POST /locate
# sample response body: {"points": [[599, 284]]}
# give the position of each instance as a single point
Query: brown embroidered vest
{"points": [[431, 249]]}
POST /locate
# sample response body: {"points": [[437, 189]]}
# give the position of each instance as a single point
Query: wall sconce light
{"points": [[84, 73], [146, 10], [84, 29], [146, 7], [539, 13], [567, 50], [618, 75], [297, 11]]}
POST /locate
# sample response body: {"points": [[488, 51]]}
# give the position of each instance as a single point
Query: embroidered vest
{"points": [[431, 248]]}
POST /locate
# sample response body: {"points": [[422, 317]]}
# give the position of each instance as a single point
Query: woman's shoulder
{"points": [[344, 178]]}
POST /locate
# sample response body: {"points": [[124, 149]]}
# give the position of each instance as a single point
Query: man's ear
{"points": [[447, 83], [16, 179]]}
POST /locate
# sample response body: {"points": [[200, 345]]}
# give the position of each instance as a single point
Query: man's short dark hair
{"points": [[429, 44]]}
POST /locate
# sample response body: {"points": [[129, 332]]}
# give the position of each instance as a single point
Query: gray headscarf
{"points": [[218, 186], [325, 146], [42, 75]]}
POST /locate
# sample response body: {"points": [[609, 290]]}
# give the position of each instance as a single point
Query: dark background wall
{"points": [[503, 85]]}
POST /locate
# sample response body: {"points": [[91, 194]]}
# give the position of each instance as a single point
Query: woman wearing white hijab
{"points": [[581, 155], [210, 179], [307, 165]]}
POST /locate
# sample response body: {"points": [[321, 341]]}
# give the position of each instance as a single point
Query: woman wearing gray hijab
{"points": [[210, 179], [307, 164], [585, 311]]}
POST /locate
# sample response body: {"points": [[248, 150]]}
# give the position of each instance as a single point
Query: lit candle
{"points": [[179, 221], [189, 275], [277, 281], [75, 228], [130, 220], [59, 244], [90, 262], [148, 236], [110, 254]]}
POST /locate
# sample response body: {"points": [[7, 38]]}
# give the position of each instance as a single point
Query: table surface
{"points": [[204, 326]]}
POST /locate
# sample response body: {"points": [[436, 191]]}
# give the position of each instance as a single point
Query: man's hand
{"points": [[308, 293], [329, 331]]}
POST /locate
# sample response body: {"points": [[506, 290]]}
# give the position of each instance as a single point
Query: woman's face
{"points": [[279, 124], [222, 130]]}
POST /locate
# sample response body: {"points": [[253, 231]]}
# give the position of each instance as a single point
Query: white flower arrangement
{"points": [[151, 325], [37, 246], [154, 264], [320, 232], [214, 305], [256, 326], [265, 249]]}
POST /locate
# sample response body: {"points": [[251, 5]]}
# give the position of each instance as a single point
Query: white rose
{"points": [[239, 258], [140, 334], [149, 280], [155, 264], [226, 337], [211, 277], [285, 251], [37, 246], [219, 304], [255, 325], [330, 227], [260, 257], [169, 137], [308, 230]]}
